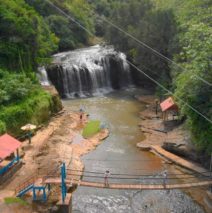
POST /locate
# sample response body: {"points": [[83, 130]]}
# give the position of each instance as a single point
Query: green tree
{"points": [[154, 27], [25, 39], [62, 28], [70, 34], [195, 57], [180, 30], [194, 51]]}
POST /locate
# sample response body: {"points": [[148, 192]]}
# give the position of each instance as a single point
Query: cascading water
{"points": [[89, 71], [42, 76]]}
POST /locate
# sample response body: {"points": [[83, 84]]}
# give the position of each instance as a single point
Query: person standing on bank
{"points": [[107, 174], [164, 178], [81, 114]]}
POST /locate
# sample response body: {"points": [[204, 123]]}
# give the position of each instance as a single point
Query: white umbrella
{"points": [[28, 127]]}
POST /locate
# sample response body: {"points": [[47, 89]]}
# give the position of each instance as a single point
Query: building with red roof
{"points": [[8, 145], [8, 148], [167, 106]]}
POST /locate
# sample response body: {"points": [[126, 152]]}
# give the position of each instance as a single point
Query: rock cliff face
{"points": [[89, 71]]}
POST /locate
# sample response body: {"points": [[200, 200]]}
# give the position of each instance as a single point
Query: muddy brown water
{"points": [[118, 111]]}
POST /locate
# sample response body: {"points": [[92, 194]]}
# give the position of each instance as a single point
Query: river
{"points": [[118, 153]]}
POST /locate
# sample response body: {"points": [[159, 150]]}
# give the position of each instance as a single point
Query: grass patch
{"points": [[91, 129], [12, 200]]}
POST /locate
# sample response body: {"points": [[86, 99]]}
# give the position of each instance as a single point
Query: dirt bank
{"points": [[151, 122], [176, 135], [58, 142]]}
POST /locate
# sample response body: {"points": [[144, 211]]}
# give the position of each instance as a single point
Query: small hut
{"points": [[168, 107], [9, 154]]}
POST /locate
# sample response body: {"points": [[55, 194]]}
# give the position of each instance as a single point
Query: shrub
{"points": [[11, 200], [91, 128], [2, 127], [36, 109]]}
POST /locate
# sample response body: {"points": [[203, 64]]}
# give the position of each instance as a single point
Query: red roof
{"points": [[168, 104], [8, 145]]}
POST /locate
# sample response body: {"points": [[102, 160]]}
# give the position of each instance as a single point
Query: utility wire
{"points": [[121, 160], [51, 157], [126, 33], [121, 170], [69, 17], [127, 174], [140, 177], [156, 82], [102, 168], [170, 92]]}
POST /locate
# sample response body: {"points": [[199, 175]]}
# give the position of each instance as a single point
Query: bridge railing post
{"points": [[64, 170], [34, 194], [44, 195], [63, 183]]}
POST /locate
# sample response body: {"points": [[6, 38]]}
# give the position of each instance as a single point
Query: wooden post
{"points": [[211, 171], [66, 207], [30, 136], [156, 107], [34, 194], [44, 194], [211, 166], [49, 187], [17, 153], [164, 115]]}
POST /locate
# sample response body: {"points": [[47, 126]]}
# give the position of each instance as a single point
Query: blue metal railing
{"points": [[9, 165]]}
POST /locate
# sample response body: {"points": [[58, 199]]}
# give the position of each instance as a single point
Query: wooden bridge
{"points": [[128, 186], [68, 178]]}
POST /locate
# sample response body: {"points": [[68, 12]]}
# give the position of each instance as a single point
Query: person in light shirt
{"points": [[107, 174]]}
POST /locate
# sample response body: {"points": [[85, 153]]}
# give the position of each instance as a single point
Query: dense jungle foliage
{"points": [[32, 30], [22, 100], [195, 53], [180, 30], [70, 35], [25, 39]]}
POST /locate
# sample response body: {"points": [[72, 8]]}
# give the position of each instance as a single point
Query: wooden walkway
{"points": [[179, 161], [130, 186]]}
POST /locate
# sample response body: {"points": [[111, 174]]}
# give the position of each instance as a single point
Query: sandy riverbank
{"points": [[176, 135], [59, 141], [150, 121]]}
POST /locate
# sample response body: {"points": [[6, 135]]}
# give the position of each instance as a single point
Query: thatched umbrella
{"points": [[29, 128]]}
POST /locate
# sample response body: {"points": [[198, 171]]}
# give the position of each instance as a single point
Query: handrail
{"points": [[50, 173], [28, 181], [32, 179]]}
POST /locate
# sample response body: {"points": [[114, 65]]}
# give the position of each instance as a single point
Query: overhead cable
{"points": [[156, 82], [152, 49]]}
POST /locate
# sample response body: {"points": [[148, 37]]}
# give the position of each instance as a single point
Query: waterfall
{"points": [[89, 71], [43, 77]]}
